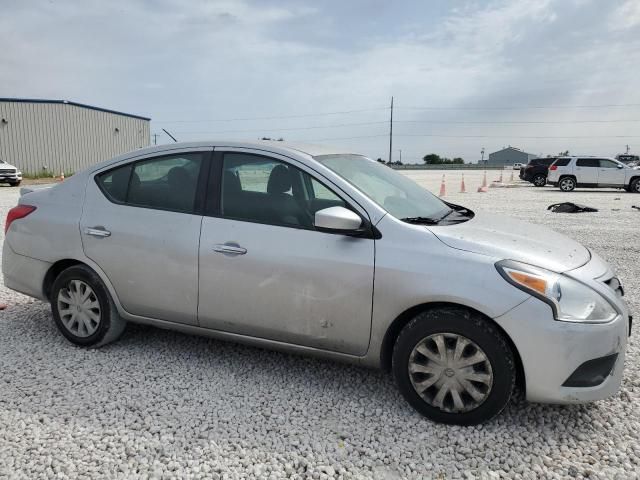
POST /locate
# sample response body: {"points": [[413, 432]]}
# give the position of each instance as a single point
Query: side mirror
{"points": [[620, 166], [337, 220]]}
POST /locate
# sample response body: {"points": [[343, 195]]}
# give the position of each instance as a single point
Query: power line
{"points": [[286, 129], [516, 122], [506, 137], [524, 107], [274, 117]]}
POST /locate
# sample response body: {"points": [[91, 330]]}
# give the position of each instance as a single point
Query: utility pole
{"points": [[391, 131], [627, 148], [155, 138], [400, 155], [482, 153]]}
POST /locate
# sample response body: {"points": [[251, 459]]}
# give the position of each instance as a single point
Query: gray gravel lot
{"points": [[166, 405]]}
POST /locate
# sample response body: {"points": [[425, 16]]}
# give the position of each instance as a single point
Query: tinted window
{"points": [[266, 190], [562, 162], [115, 183], [167, 183], [587, 162], [547, 161], [607, 164]]}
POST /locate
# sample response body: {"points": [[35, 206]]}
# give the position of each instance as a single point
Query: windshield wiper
{"points": [[424, 220], [427, 220]]}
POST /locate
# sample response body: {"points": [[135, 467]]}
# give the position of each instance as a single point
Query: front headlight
{"points": [[570, 300]]}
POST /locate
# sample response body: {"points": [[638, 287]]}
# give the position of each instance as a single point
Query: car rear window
{"points": [[588, 162], [562, 162]]}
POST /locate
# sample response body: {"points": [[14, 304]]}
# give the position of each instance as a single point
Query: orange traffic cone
{"points": [[462, 187], [443, 188], [483, 188]]}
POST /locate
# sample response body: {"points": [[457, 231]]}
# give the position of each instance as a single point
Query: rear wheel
{"points": [[453, 366], [567, 184], [540, 180], [83, 309], [634, 186]]}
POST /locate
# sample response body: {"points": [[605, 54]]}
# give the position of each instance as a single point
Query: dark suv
{"points": [[536, 170]]}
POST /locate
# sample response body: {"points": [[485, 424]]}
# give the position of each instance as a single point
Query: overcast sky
{"points": [[465, 74]]}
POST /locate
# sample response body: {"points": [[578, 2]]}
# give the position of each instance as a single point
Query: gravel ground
{"points": [[165, 405]]}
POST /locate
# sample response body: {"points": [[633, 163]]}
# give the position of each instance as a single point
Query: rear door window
{"points": [[588, 162], [164, 183]]}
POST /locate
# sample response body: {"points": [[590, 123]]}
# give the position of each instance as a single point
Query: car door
{"points": [[611, 173], [586, 171], [141, 225], [266, 272]]}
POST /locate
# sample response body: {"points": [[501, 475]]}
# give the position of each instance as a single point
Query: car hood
{"points": [[507, 238]]}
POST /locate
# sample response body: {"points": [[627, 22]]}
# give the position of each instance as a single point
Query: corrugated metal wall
{"points": [[508, 157], [64, 137]]}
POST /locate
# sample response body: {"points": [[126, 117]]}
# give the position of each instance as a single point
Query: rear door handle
{"points": [[97, 232], [229, 248]]}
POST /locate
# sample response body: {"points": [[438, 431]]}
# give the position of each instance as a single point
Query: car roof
{"points": [[271, 145]]}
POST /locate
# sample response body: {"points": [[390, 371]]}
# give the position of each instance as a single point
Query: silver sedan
{"points": [[323, 252]]}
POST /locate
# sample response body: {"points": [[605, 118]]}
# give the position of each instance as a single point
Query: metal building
{"points": [[509, 156], [55, 136]]}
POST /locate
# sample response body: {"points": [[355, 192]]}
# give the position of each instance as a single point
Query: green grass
{"points": [[39, 175]]}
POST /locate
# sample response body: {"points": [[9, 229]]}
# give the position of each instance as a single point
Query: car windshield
{"points": [[397, 194]]}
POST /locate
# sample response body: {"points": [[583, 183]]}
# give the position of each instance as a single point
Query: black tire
{"points": [[110, 325], [567, 184], [477, 329], [540, 180], [634, 186], [15, 184]]}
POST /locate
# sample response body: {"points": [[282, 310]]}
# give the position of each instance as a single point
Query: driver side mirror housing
{"points": [[338, 220]]}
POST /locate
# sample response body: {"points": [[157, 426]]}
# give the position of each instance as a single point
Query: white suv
{"points": [[571, 172], [9, 174]]}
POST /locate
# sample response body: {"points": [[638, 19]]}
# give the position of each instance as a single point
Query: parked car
{"points": [[278, 245], [536, 170], [629, 159], [517, 166], [588, 172], [10, 174]]}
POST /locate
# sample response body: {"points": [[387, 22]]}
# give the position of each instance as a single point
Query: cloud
{"points": [[212, 60]]}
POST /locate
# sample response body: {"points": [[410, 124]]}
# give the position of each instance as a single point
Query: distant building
{"points": [[54, 136], [509, 156]]}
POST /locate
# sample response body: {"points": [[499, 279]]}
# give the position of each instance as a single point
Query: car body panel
{"points": [[506, 238], [316, 288]]}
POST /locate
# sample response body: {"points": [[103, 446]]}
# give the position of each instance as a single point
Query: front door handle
{"points": [[97, 232], [229, 248]]}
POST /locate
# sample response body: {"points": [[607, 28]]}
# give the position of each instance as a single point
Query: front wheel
{"points": [[453, 366], [540, 180], [14, 184], [634, 186], [83, 309], [567, 184]]}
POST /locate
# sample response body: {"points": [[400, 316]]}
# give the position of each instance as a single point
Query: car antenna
{"points": [[172, 137]]}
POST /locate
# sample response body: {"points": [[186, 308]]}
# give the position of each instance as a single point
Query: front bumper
{"points": [[10, 178], [552, 351]]}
